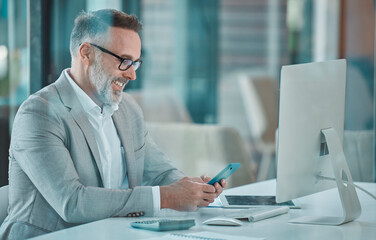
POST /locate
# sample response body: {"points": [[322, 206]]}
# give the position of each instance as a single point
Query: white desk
{"points": [[324, 203]]}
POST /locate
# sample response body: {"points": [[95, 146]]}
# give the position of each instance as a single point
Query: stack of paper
{"points": [[203, 236]]}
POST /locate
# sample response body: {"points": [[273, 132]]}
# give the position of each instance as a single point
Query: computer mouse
{"points": [[223, 221]]}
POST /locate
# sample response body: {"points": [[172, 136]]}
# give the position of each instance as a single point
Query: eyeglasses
{"points": [[125, 63]]}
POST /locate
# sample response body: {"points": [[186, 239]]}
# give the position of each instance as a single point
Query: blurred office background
{"points": [[206, 63]]}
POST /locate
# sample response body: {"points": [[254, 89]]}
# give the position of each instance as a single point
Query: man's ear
{"points": [[86, 53]]}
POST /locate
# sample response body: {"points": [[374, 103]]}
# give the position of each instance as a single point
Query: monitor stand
{"points": [[346, 189]]}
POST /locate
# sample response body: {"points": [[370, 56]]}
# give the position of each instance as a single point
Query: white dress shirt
{"points": [[110, 150]]}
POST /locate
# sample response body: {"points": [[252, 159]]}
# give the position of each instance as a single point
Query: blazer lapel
{"points": [[70, 100], [123, 126]]}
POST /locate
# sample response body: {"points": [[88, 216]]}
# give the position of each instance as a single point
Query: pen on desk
{"points": [[267, 214]]}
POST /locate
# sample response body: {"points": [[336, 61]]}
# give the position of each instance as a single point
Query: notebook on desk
{"points": [[203, 236]]}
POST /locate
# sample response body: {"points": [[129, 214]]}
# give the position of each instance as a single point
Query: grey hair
{"points": [[94, 26]]}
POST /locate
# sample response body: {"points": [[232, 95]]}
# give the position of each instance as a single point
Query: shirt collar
{"points": [[87, 103]]}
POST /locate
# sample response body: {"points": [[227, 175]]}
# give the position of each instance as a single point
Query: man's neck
{"points": [[82, 81]]}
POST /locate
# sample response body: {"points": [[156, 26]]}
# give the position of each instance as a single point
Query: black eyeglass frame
{"points": [[120, 58]]}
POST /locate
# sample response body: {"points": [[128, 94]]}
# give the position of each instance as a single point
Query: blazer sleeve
{"points": [[37, 145]]}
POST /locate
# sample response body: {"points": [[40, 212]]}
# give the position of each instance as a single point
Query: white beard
{"points": [[103, 84]]}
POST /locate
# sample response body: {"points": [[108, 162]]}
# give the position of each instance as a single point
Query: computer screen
{"points": [[312, 102]]}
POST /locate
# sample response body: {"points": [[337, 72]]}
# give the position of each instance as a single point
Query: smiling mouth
{"points": [[119, 84]]}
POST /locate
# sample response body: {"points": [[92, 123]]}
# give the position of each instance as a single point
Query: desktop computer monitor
{"points": [[310, 136]]}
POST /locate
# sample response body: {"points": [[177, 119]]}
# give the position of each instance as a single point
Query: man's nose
{"points": [[130, 73]]}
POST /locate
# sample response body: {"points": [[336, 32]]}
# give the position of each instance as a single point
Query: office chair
{"points": [[261, 98], [4, 202], [358, 147], [203, 149]]}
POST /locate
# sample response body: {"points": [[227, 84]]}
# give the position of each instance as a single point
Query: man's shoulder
{"points": [[47, 95], [40, 110], [45, 102], [52, 94]]}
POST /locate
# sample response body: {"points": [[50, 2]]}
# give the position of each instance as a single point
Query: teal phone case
{"points": [[225, 173]]}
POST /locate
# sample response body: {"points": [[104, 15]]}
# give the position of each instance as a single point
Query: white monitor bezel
{"points": [[312, 98]]}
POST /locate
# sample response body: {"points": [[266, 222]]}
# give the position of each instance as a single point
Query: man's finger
{"points": [[218, 189], [197, 179], [209, 196], [223, 183], [208, 188], [209, 200], [203, 203], [205, 178]]}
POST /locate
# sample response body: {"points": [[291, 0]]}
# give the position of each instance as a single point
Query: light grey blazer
{"points": [[55, 172]]}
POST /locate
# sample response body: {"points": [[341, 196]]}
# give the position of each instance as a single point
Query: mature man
{"points": [[79, 149]]}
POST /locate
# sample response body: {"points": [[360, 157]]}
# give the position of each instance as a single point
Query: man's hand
{"points": [[218, 187], [188, 194]]}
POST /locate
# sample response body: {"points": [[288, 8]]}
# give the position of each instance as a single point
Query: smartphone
{"points": [[225, 173]]}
